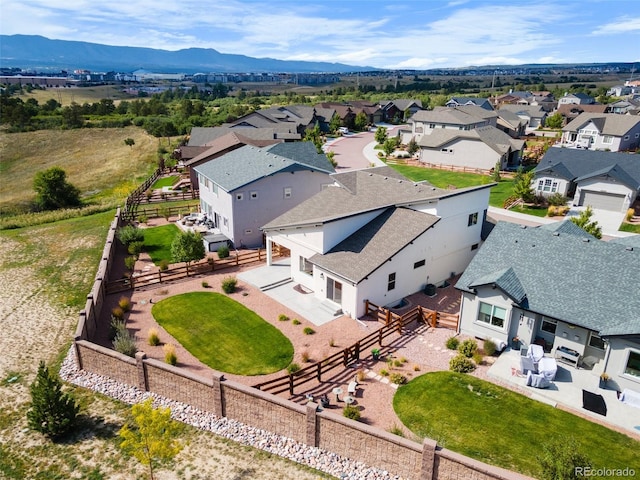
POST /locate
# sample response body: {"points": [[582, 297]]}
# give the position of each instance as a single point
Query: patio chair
{"points": [[527, 365]]}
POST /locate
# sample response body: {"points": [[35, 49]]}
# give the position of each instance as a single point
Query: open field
{"points": [[96, 161], [79, 95]]}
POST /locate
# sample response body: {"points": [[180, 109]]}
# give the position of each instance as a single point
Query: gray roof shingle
{"points": [[247, 164], [577, 279], [364, 251]]}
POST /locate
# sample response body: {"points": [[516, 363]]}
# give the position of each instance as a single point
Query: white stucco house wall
{"points": [[604, 180], [377, 236], [250, 186], [604, 131], [524, 284]]}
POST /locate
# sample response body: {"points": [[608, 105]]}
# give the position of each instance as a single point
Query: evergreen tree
{"points": [[584, 222], [52, 411]]}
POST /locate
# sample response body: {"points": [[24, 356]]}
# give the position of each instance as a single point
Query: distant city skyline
{"points": [[415, 34]]}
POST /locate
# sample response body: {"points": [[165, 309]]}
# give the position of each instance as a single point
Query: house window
{"points": [[474, 246], [596, 341], [334, 290], [419, 264], [306, 266], [391, 283], [607, 139], [548, 325], [287, 192], [253, 195], [637, 135], [540, 185], [626, 137], [239, 196], [248, 232], [432, 125], [225, 222], [473, 219], [492, 315], [633, 364]]}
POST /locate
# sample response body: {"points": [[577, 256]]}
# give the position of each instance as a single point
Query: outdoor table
{"points": [[349, 399], [337, 391]]}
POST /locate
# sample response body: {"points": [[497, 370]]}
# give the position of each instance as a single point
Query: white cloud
{"points": [[621, 25]]}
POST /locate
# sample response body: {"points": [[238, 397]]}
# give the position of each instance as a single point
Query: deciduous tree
{"points": [[53, 191], [187, 247], [150, 435]]}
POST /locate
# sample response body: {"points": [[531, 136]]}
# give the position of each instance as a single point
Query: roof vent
{"points": [[523, 226], [556, 234], [585, 240], [629, 249]]}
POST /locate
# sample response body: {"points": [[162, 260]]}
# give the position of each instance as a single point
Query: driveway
{"points": [[357, 151]]}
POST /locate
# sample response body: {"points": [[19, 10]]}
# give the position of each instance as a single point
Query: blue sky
{"points": [[416, 34]]}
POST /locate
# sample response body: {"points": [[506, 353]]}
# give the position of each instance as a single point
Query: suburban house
{"points": [[375, 235], [533, 115], [605, 131], [424, 122], [604, 180], [218, 147], [248, 187], [571, 111], [511, 123], [630, 106], [478, 102], [393, 110], [559, 287], [577, 99], [482, 148]]}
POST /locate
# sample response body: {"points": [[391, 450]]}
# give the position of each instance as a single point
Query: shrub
{"points": [[154, 337], [135, 248], [305, 357], [398, 378], [130, 262], [143, 218], [223, 252], [351, 411], [478, 358], [489, 347], [332, 342], [170, 355], [630, 213], [384, 373], [283, 318], [125, 343], [296, 321], [229, 285], [293, 368], [205, 284], [452, 343], [416, 368], [117, 312], [164, 265], [360, 376], [129, 234], [308, 331], [125, 304], [398, 363], [117, 325], [403, 360], [51, 411], [557, 200], [396, 430], [468, 347], [461, 364]]}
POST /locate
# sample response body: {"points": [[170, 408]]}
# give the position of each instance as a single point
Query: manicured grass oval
{"points": [[501, 427], [224, 334]]}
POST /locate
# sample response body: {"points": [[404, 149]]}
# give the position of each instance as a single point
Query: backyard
{"points": [[224, 334], [502, 427]]}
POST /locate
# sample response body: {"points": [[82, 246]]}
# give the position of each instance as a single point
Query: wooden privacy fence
{"points": [[393, 323], [185, 271]]}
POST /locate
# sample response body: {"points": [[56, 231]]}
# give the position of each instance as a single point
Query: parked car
{"points": [[343, 130]]}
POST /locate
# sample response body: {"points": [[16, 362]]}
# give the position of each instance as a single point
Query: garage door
{"points": [[602, 201]]}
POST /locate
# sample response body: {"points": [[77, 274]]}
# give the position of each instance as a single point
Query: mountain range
{"points": [[41, 53]]}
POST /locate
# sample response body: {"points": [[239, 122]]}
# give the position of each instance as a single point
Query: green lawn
{"points": [[501, 427], [224, 334], [627, 227], [165, 182], [157, 242]]}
